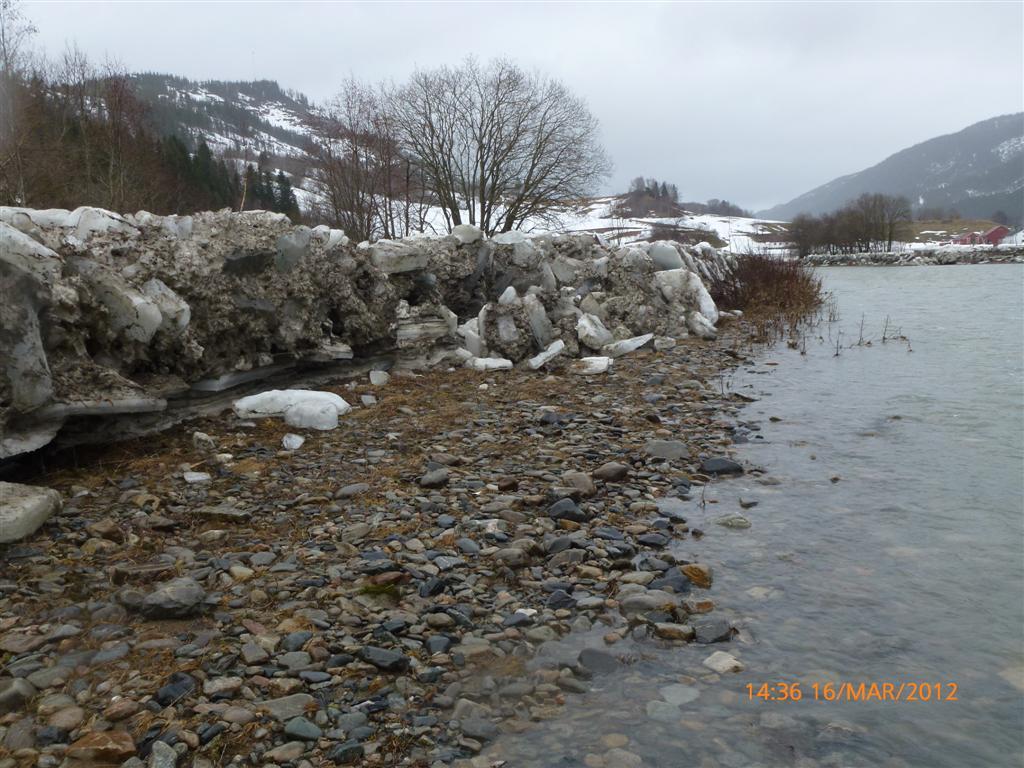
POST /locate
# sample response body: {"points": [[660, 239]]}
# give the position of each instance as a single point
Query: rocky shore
{"points": [[378, 594], [921, 257]]}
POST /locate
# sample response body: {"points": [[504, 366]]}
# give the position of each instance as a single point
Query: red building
{"points": [[995, 235], [992, 237]]}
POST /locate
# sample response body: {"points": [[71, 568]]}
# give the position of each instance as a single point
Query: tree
{"points": [[15, 31], [502, 145]]}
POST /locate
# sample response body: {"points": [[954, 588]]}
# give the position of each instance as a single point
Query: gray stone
{"points": [[667, 449], [162, 756], [176, 598], [14, 693], [720, 465], [287, 707], [385, 658], [302, 728]]}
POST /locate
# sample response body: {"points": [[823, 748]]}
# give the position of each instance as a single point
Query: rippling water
{"points": [[891, 550]]}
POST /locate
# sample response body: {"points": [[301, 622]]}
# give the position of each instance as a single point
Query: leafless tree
{"points": [[499, 146], [366, 184], [15, 31]]}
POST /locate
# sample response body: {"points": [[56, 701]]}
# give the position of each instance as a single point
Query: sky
{"points": [[754, 102]]}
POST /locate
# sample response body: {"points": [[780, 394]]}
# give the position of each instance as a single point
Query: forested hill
{"points": [[240, 119]]}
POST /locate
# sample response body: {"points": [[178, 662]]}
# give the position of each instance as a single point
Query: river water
{"points": [[891, 549]]}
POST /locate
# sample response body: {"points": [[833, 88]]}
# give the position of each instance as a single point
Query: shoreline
{"points": [[447, 532], [921, 258]]}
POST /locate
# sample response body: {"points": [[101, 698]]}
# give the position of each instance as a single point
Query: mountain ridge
{"points": [[977, 171]]}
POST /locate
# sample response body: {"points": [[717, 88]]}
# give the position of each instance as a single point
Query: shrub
{"points": [[765, 285]]}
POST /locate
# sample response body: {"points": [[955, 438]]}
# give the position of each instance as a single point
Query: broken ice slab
{"points": [[233, 379], [102, 407]]}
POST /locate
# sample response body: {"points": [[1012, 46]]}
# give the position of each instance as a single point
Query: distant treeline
{"points": [[73, 133], [869, 223], [651, 197]]}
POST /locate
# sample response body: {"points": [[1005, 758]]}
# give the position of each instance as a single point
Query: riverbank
{"points": [[374, 596], [920, 257]]}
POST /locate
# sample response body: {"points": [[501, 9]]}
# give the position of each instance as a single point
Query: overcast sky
{"points": [[752, 102]]}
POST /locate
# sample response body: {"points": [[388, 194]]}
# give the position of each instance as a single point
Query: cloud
{"points": [[753, 102]]}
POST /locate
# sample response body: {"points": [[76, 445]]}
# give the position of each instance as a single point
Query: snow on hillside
{"points": [[733, 233]]}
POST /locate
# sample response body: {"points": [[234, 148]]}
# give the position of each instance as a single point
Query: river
{"points": [[886, 545]]}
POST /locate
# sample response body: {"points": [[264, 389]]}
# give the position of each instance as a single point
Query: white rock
{"points": [[197, 477], [292, 442], [467, 233], [664, 343], [592, 365], [591, 331], [723, 662], [379, 378], [489, 364], [23, 509], [624, 347], [311, 415], [553, 350]]}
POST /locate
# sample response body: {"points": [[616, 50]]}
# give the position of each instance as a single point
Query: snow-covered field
{"points": [[739, 234]]}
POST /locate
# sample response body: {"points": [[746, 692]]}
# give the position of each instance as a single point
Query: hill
{"points": [[976, 171], [240, 119]]}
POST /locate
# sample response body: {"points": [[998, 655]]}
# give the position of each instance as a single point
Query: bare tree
{"points": [[15, 31], [499, 146], [367, 184]]}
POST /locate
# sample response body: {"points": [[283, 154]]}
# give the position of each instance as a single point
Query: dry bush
{"points": [[762, 285]]}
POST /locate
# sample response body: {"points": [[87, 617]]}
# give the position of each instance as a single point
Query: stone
{"points": [[302, 728], [736, 522], [611, 472], [24, 509], [176, 598], [162, 755], [437, 478], [678, 694], [722, 662], [698, 573], [103, 746], [346, 753], [567, 509], [670, 450], [580, 481], [713, 631], [597, 661], [178, 686], [379, 378], [288, 707], [292, 442], [14, 693], [479, 728], [384, 658], [286, 753], [669, 631], [720, 465]]}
